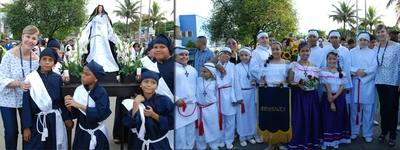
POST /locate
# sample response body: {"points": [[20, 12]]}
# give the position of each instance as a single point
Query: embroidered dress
{"points": [[305, 111], [335, 125]]}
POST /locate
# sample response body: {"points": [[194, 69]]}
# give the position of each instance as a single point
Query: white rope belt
{"points": [[146, 143], [45, 132], [93, 140]]}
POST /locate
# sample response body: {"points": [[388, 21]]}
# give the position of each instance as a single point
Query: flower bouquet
{"points": [[309, 83], [291, 51], [128, 62]]}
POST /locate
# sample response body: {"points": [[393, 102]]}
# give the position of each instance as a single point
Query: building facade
{"points": [[191, 26]]}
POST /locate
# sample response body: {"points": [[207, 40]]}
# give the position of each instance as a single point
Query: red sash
{"points": [[219, 105], [243, 109], [358, 100], [201, 126]]}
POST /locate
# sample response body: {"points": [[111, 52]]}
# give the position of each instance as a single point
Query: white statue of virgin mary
{"points": [[101, 48]]}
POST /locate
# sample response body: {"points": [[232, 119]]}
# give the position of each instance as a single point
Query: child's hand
{"points": [[68, 97], [179, 103], [234, 103], [139, 98], [240, 101], [148, 112], [27, 134], [69, 124], [71, 103], [330, 98], [333, 107]]}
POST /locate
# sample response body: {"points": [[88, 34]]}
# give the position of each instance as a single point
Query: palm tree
{"points": [[128, 10], [397, 9], [372, 19], [344, 13], [156, 15]]}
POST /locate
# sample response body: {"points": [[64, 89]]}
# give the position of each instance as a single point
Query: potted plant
{"points": [[128, 62]]}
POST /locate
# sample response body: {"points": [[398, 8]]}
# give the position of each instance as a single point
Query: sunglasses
{"points": [[230, 43]]}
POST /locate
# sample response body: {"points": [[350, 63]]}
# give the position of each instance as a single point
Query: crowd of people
{"points": [[208, 103], [351, 84]]}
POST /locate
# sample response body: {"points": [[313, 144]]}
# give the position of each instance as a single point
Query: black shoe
{"points": [[392, 142], [381, 138]]}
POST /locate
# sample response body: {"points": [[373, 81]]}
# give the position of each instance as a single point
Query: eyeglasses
{"points": [[230, 43]]}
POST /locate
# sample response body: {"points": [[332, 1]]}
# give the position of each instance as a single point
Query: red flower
{"points": [[309, 77], [301, 81]]}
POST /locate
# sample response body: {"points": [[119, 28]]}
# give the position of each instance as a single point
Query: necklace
{"points": [[305, 68], [205, 87], [22, 63], [247, 70], [331, 70], [186, 73], [383, 55]]}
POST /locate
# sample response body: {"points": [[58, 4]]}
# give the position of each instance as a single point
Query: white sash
{"points": [[128, 103], [146, 61], [82, 97], [43, 100]]}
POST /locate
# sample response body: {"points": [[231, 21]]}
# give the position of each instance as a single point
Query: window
{"points": [[190, 33], [183, 34]]}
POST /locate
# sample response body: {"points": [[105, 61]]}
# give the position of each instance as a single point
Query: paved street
{"points": [[358, 144]]}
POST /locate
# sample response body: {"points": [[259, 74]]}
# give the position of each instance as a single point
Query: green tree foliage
{"points": [[156, 16], [322, 33], [54, 18], [244, 19], [397, 8], [164, 27], [345, 13], [128, 10], [190, 44], [372, 19]]}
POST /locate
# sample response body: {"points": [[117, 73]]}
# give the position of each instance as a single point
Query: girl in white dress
{"points": [[275, 71]]}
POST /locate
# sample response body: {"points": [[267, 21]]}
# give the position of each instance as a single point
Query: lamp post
{"points": [[140, 22], [357, 18]]}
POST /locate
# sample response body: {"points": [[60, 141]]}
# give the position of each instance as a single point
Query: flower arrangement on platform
{"points": [[290, 52], [310, 83], [128, 63]]}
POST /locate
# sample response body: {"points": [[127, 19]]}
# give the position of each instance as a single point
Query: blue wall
{"points": [[193, 23]]}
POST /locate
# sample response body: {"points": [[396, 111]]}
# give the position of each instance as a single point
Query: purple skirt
{"points": [[335, 125], [305, 119]]}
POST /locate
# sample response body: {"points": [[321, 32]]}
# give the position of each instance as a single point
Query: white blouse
{"points": [[332, 79], [390, 72], [301, 72], [10, 70], [275, 73]]}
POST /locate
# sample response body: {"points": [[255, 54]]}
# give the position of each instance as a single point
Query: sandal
{"points": [[381, 138], [392, 142]]}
